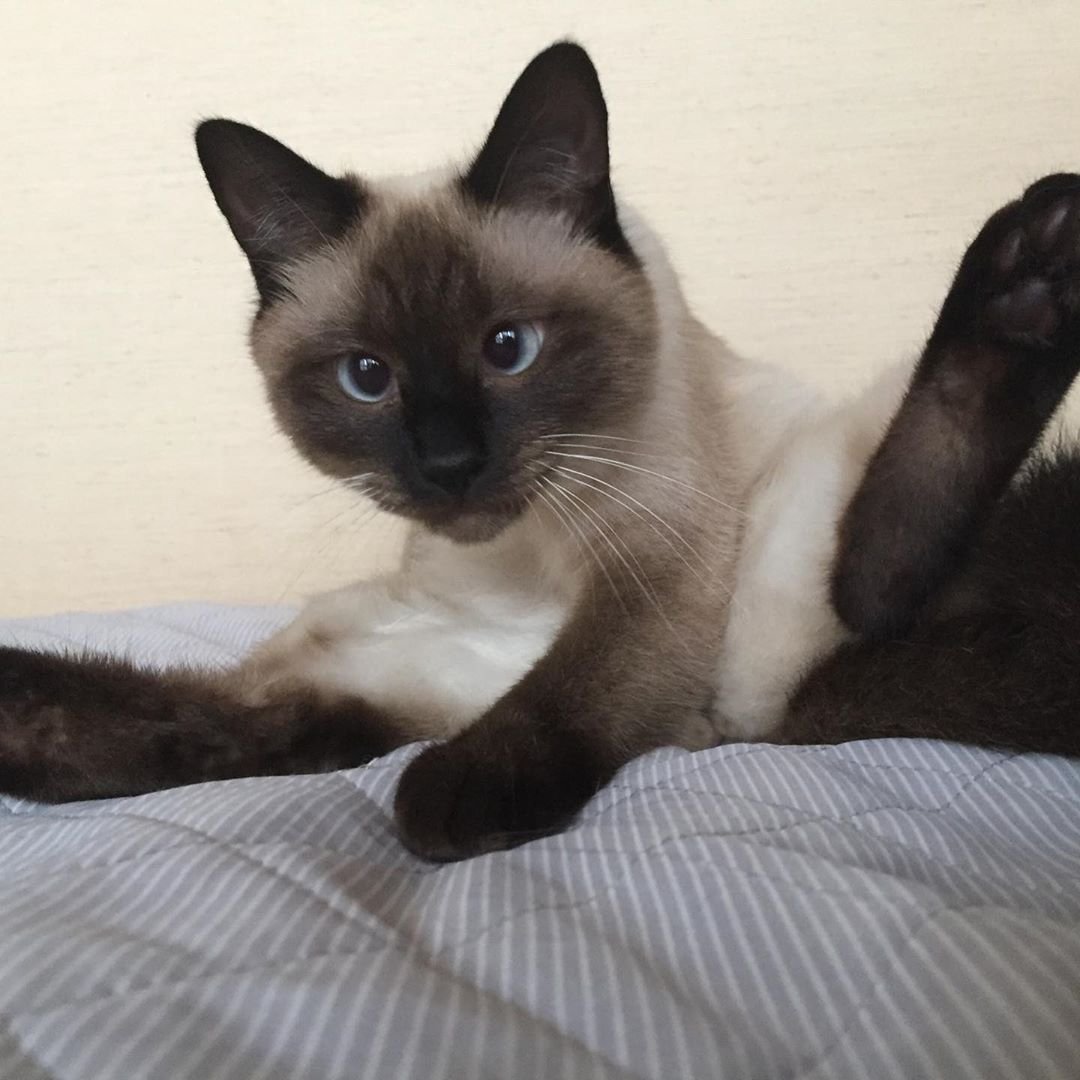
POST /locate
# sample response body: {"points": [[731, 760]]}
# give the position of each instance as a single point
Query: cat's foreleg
{"points": [[619, 680]]}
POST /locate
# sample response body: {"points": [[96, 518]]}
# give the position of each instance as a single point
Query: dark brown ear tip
{"points": [[569, 58], [568, 50], [210, 128], [211, 135], [215, 131], [201, 133]]}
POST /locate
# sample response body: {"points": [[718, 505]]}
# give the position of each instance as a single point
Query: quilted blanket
{"points": [[879, 909]]}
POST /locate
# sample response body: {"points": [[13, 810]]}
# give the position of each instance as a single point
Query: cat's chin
{"points": [[462, 523], [473, 528]]}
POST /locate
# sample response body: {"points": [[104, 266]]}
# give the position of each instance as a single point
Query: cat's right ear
{"points": [[548, 148], [279, 206]]}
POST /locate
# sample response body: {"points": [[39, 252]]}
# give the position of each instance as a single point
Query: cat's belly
{"points": [[782, 622]]}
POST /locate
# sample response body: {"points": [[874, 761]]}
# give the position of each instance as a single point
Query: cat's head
{"points": [[430, 341]]}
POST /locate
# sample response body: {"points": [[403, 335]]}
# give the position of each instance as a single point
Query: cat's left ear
{"points": [[279, 206], [548, 149]]}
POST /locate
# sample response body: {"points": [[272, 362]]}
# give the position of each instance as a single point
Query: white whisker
{"points": [[356, 482], [649, 472], [348, 482], [539, 494], [673, 458], [595, 516], [576, 476], [586, 435], [563, 510]]}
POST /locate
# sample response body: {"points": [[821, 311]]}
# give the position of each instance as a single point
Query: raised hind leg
{"points": [[1002, 355]]}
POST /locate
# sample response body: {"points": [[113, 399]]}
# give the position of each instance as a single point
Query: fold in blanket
{"points": [[888, 908]]}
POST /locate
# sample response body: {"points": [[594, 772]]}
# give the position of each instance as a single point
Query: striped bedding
{"points": [[880, 909]]}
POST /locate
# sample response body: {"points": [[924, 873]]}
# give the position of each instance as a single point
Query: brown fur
{"points": [[643, 542], [419, 283], [89, 727], [343, 266], [961, 576]]}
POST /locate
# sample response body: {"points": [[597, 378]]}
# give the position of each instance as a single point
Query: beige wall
{"points": [[815, 166]]}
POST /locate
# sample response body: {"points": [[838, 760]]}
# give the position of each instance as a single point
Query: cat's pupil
{"points": [[369, 375], [503, 347]]}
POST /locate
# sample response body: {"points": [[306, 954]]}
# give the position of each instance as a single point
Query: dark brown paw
{"points": [[1020, 280], [494, 786]]}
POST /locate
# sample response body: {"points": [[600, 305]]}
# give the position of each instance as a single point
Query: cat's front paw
{"points": [[498, 784], [1019, 282]]}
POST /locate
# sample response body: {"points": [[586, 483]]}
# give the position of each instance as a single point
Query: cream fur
{"points": [[444, 637], [811, 458], [438, 641]]}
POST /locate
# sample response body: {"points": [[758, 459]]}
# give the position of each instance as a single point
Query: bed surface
{"points": [[874, 910]]}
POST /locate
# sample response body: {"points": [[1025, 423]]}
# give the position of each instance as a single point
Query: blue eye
{"points": [[366, 378], [512, 347]]}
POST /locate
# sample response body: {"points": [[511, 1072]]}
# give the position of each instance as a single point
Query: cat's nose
{"points": [[449, 447], [453, 470]]}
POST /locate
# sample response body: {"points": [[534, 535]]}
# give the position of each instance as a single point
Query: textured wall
{"points": [[816, 169]]}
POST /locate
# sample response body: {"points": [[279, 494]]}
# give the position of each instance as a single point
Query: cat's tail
{"points": [[89, 727]]}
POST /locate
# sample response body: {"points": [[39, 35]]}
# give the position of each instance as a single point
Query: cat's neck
{"points": [[670, 470]]}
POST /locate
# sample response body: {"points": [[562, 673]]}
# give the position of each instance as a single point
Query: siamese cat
{"points": [[624, 536]]}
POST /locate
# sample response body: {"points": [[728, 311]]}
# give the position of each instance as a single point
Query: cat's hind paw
{"points": [[1019, 282]]}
